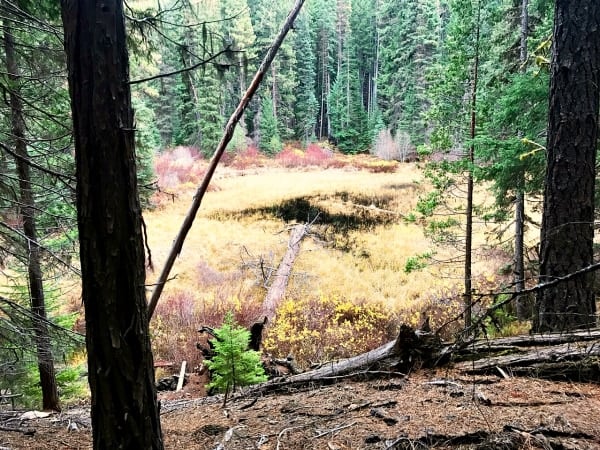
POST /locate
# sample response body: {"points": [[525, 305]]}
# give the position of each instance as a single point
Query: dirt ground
{"points": [[423, 410]]}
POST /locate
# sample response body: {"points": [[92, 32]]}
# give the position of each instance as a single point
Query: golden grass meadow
{"points": [[348, 290]]}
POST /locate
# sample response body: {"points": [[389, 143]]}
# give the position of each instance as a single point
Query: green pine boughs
{"points": [[233, 364]]}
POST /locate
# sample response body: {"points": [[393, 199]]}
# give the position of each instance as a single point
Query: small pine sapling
{"points": [[233, 364]]}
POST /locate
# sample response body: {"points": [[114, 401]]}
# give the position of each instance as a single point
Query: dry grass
{"points": [[240, 229], [372, 269], [223, 237]]}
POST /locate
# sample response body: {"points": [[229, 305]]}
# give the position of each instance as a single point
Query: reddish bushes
{"points": [[179, 165]]}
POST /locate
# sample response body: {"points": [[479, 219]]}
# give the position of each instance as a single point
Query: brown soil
{"points": [[424, 410]]}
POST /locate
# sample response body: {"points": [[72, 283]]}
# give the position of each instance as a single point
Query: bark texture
{"points": [[121, 376], [568, 218]]}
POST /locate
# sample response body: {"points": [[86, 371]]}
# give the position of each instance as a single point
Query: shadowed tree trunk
{"points": [[468, 273], [523, 304], [568, 219], [121, 376], [45, 359]]}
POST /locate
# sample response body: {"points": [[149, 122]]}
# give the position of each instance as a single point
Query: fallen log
{"points": [[25, 431], [513, 343], [396, 358], [277, 289], [573, 356], [579, 361], [509, 437]]}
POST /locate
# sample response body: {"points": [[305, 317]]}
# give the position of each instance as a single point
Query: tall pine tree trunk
{"points": [[468, 275], [120, 364], [522, 302], [43, 343], [568, 220]]}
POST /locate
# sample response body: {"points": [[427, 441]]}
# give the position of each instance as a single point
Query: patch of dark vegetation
{"points": [[400, 186], [359, 213], [378, 201]]}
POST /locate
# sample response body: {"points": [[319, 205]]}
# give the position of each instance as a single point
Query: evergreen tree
{"points": [[363, 42], [121, 374], [147, 144], [323, 20], [210, 110], [281, 80], [36, 205], [233, 364], [238, 35], [410, 37], [269, 141], [567, 234], [350, 127], [306, 106]]}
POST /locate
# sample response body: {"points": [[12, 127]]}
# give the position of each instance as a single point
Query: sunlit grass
{"points": [[371, 269]]}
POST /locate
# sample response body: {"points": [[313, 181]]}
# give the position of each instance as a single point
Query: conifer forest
{"points": [[433, 161]]}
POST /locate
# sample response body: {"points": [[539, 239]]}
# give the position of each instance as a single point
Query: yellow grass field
{"points": [[227, 241]]}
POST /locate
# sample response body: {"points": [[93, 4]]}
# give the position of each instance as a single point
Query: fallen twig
{"points": [[25, 431], [333, 430]]}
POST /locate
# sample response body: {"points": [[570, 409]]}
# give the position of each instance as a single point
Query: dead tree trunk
{"points": [[277, 289], [558, 356]]}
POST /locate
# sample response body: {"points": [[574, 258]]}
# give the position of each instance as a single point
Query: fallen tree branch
{"points": [[334, 430], [25, 431], [277, 289]]}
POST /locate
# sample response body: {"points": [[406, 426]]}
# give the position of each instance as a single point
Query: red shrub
{"points": [[177, 166], [291, 157], [250, 157], [174, 329], [317, 156]]}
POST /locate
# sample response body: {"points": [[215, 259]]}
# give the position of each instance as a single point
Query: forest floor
{"points": [[427, 409]]}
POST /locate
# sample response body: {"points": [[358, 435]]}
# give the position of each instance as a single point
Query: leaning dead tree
{"points": [[227, 135], [277, 289]]}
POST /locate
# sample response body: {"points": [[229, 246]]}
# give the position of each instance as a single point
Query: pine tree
{"points": [[210, 110], [233, 364], [323, 20], [410, 39], [269, 141], [306, 106], [238, 34]]}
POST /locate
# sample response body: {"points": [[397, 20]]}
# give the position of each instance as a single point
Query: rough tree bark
{"points": [[568, 219], [50, 399], [120, 364]]}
